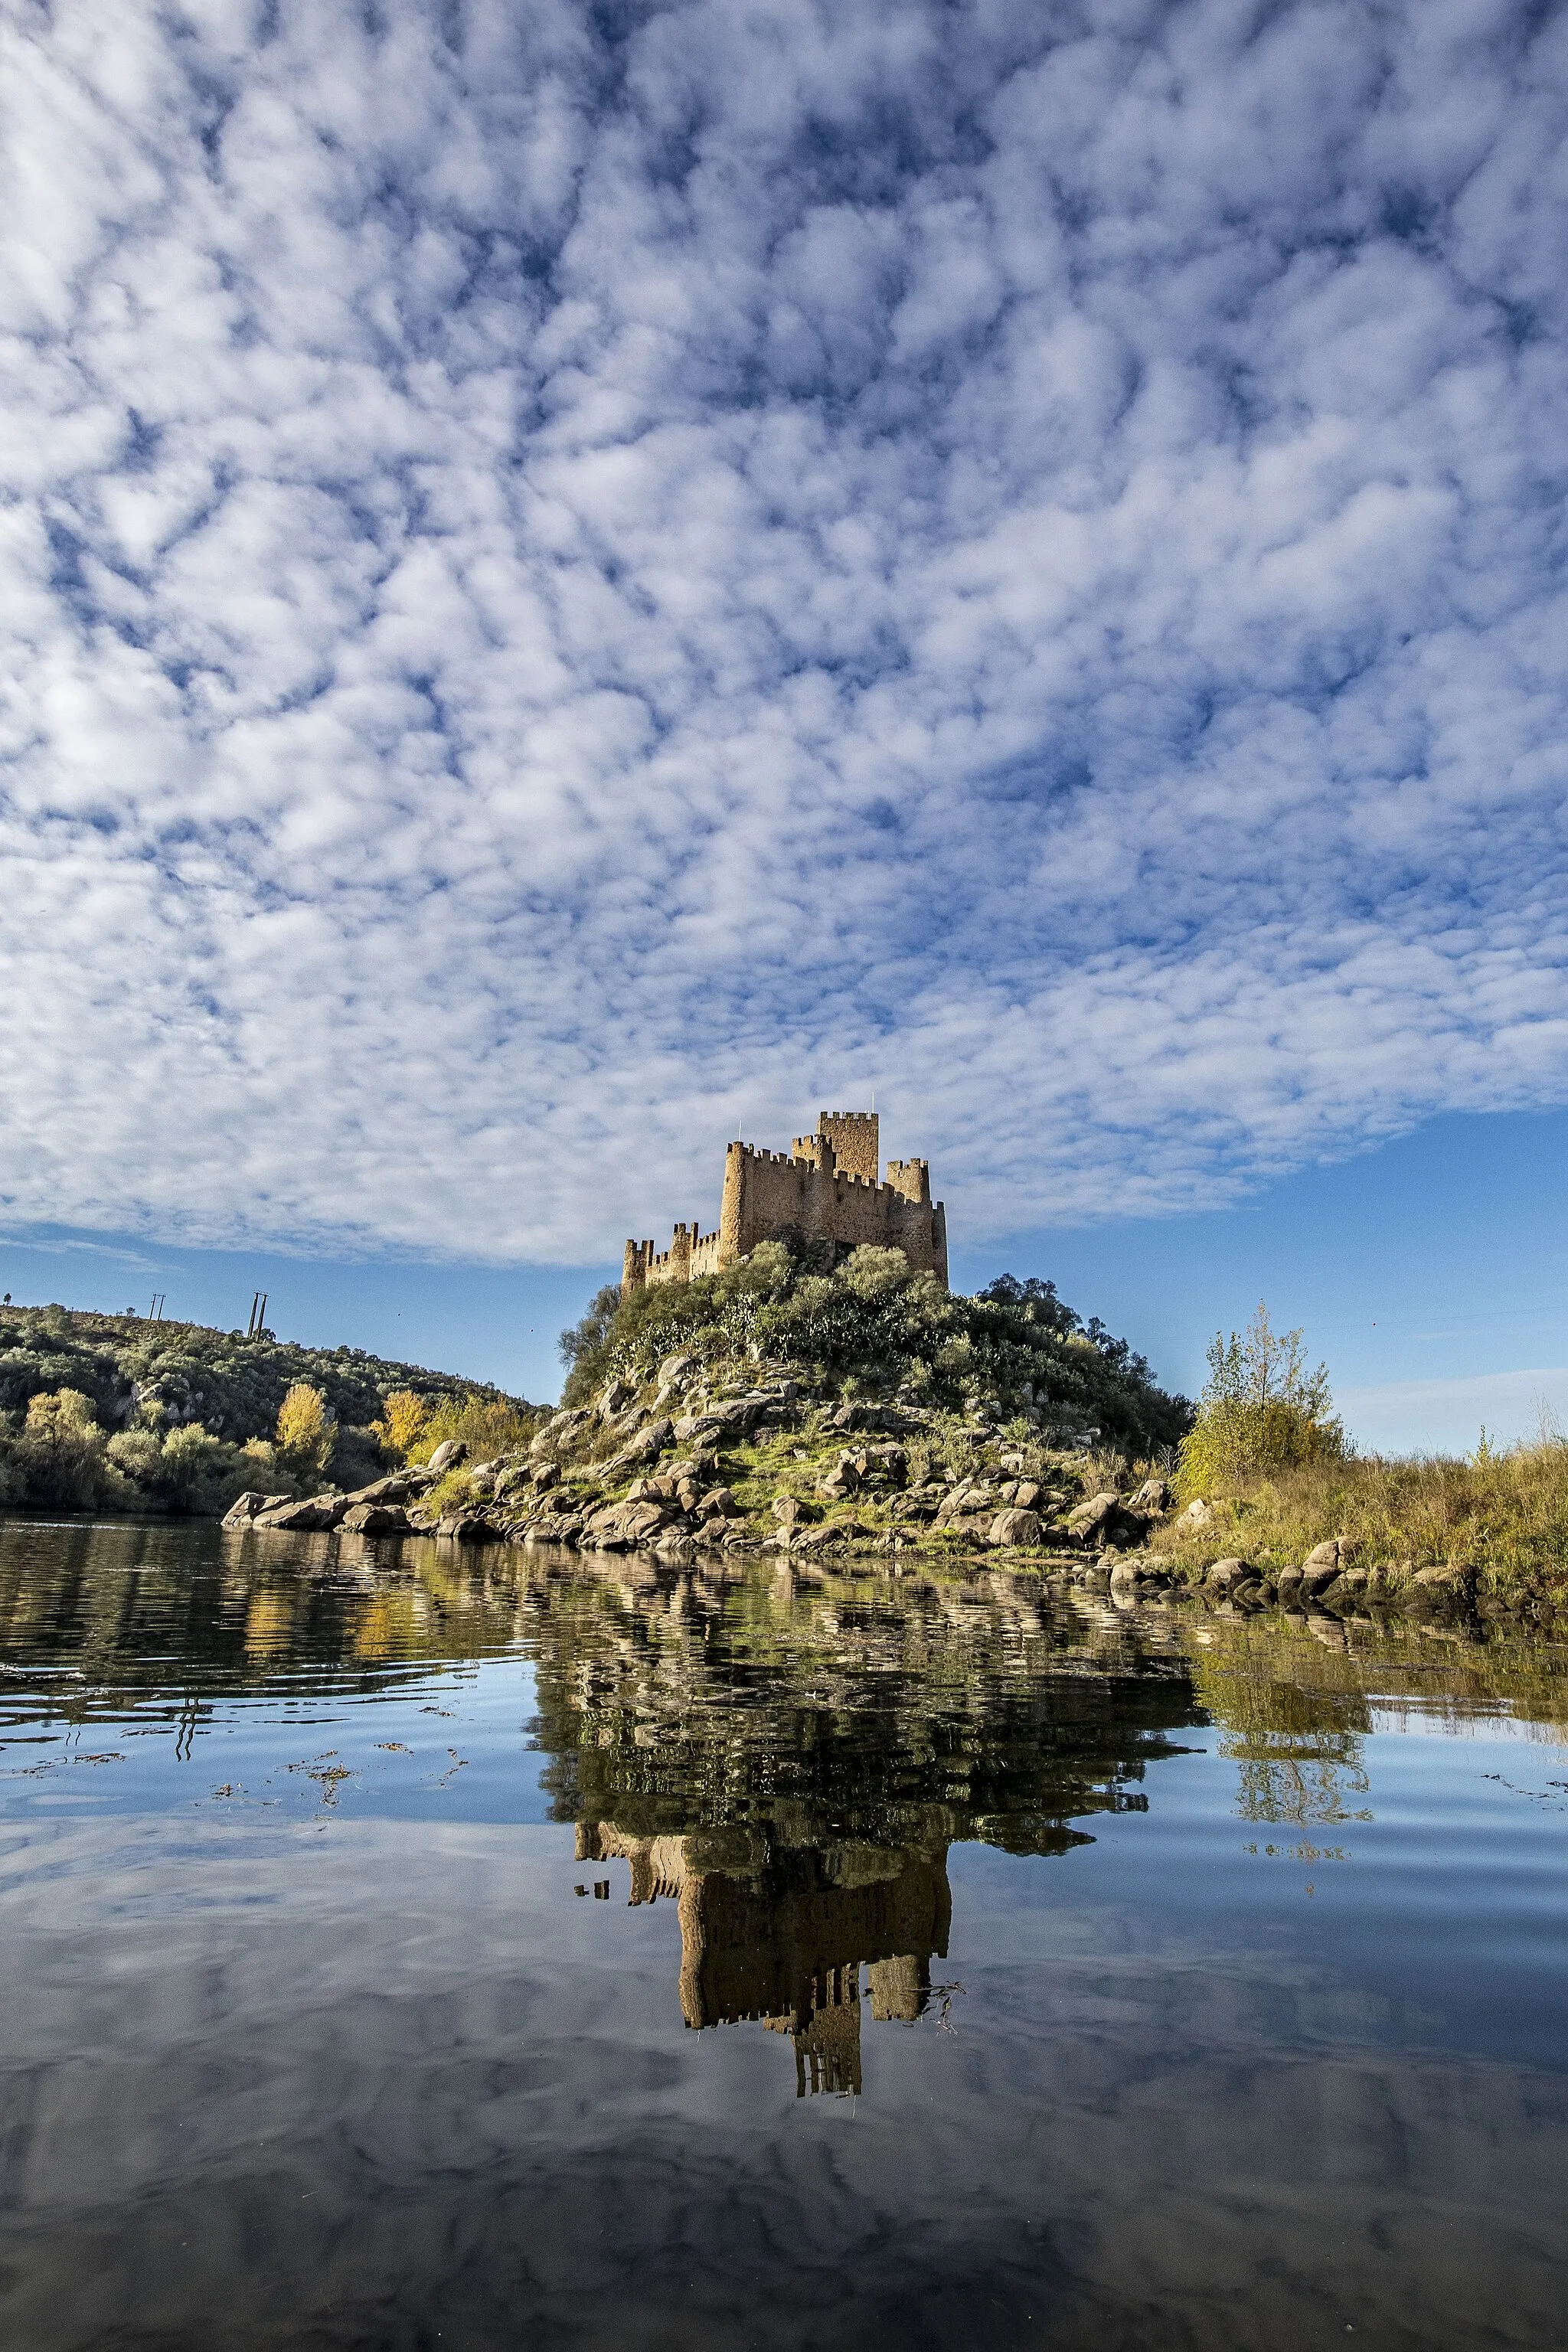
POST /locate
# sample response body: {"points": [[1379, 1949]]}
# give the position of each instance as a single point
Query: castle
{"points": [[822, 1198]]}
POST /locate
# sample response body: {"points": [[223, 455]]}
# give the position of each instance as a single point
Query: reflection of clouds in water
{"points": [[395, 2083]]}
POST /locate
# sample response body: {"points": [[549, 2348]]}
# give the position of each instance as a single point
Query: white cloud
{"points": [[563, 593]]}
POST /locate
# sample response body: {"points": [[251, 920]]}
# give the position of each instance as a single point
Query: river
{"points": [[410, 1949]]}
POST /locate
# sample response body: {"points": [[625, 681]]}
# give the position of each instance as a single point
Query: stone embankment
{"points": [[688, 1464]]}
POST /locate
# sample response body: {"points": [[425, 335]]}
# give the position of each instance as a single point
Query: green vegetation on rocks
{"points": [[873, 1327]]}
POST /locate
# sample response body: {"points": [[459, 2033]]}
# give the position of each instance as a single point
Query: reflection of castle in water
{"points": [[784, 1945]]}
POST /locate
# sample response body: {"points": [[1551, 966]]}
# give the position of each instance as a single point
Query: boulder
{"points": [[787, 1509], [1104, 1518], [1452, 1582], [447, 1455], [842, 1481], [676, 1369], [1152, 1496], [247, 1506], [396, 1488], [616, 1397], [467, 1527], [1015, 1528], [310, 1517], [719, 1504], [1322, 1565], [1226, 1574], [374, 1519], [646, 1446], [621, 1525], [891, 1418], [553, 1527], [964, 1499], [824, 1538], [1198, 1514], [732, 1414], [558, 1431]]}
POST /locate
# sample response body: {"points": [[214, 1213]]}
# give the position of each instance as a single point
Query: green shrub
{"points": [[1262, 1410]]}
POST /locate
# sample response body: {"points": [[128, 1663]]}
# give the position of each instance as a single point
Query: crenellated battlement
{"points": [[821, 1196]]}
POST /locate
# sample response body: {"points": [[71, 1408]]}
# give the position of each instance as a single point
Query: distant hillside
{"points": [[232, 1385], [156, 1413]]}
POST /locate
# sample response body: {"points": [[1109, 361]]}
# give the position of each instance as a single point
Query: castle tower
{"points": [[855, 1136]]}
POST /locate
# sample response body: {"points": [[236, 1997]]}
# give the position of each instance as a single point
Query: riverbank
{"points": [[697, 1460]]}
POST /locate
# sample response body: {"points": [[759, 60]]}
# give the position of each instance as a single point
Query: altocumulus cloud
{"points": [[579, 577]]}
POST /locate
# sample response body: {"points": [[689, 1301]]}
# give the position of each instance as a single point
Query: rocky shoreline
{"points": [[689, 1465]]}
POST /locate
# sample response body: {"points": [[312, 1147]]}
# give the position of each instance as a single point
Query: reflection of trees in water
{"points": [[1298, 1749], [1283, 1783]]}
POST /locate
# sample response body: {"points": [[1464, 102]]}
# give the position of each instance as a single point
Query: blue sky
{"points": [[577, 580]]}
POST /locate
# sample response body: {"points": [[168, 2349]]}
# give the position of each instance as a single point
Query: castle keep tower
{"points": [[822, 1199]]}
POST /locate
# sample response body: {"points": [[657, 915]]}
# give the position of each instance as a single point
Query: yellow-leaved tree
{"points": [[306, 1432], [404, 1420], [1261, 1410]]}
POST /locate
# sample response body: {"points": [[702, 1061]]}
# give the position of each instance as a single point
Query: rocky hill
{"points": [[864, 1408]]}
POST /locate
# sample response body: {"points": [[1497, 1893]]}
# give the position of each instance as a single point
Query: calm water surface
{"points": [[405, 1949]]}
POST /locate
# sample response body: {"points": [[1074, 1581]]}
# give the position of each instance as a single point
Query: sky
{"points": [[576, 581]]}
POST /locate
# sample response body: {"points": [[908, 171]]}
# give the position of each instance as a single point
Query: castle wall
{"points": [[807, 1198]]}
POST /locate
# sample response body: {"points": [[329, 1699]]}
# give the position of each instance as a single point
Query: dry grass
{"points": [[1503, 1514]]}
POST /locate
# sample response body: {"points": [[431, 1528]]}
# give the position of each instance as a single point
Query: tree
{"points": [[305, 1432], [1262, 1409], [405, 1417]]}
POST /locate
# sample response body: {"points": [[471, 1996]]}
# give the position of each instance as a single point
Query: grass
{"points": [[1505, 1515]]}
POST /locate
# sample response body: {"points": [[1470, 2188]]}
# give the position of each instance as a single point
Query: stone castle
{"points": [[823, 1198]]}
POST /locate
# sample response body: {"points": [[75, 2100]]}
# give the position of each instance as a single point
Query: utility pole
{"points": [[155, 1312]]}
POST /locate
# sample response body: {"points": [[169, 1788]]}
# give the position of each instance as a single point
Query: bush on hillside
{"points": [[1261, 1410], [874, 1326]]}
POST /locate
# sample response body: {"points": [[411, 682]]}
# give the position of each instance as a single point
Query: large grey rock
{"points": [[615, 1399], [394, 1489], [676, 1369], [467, 1528], [621, 1525], [719, 1504], [1105, 1518], [447, 1455], [787, 1510], [731, 1414], [1226, 1574], [1018, 1528], [1152, 1496], [646, 1446], [841, 1481], [309, 1518], [247, 1507], [553, 1527], [557, 1432], [374, 1519]]}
